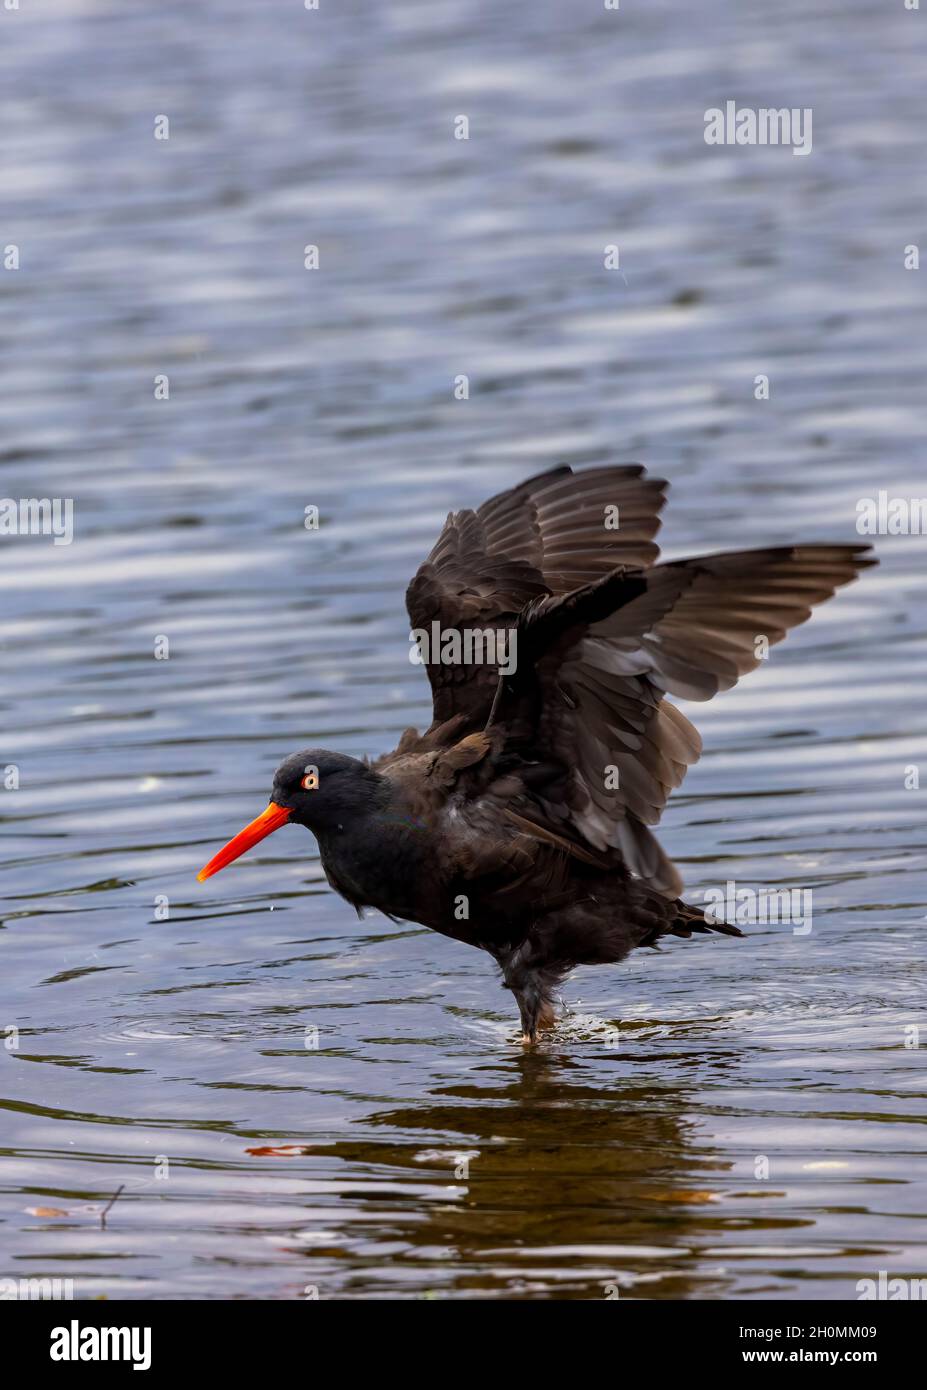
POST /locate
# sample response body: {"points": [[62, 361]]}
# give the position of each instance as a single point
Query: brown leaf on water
{"points": [[46, 1211], [682, 1195], [278, 1151]]}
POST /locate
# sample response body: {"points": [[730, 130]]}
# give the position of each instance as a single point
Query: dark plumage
{"points": [[519, 821]]}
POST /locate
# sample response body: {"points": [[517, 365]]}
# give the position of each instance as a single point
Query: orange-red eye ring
{"points": [[310, 782]]}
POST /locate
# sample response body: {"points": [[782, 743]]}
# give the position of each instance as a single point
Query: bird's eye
{"points": [[310, 782]]}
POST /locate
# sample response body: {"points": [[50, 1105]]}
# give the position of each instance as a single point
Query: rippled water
{"points": [[416, 1150]]}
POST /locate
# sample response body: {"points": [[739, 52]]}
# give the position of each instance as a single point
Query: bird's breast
{"points": [[383, 865]]}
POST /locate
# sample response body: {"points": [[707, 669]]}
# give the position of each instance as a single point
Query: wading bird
{"points": [[519, 822]]}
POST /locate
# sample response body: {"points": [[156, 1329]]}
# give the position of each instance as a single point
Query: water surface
{"points": [[724, 1119]]}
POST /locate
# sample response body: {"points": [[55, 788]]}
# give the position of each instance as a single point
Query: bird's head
{"points": [[315, 788]]}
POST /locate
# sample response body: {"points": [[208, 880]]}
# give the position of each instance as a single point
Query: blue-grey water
{"points": [[290, 1099]]}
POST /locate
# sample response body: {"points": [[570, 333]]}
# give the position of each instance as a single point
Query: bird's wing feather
{"points": [[591, 705], [550, 535]]}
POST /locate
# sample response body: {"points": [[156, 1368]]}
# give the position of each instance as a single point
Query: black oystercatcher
{"points": [[519, 821]]}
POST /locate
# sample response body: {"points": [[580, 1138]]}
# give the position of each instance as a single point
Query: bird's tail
{"points": [[688, 920]]}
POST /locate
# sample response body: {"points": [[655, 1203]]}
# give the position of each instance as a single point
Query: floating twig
{"points": [[109, 1204]]}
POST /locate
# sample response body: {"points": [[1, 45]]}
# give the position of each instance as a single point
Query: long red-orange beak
{"points": [[268, 820]]}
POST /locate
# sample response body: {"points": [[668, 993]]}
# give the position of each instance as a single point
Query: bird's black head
{"points": [[322, 790]]}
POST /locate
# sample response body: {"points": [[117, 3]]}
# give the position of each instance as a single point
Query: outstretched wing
{"points": [[592, 707], [549, 535]]}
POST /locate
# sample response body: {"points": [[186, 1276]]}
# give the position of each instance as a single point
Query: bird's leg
{"points": [[528, 1008], [532, 985]]}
